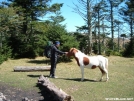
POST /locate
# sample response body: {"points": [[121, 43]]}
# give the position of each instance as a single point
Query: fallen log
{"points": [[31, 68], [57, 93]]}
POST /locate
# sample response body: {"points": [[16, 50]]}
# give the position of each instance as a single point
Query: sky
{"points": [[72, 19]]}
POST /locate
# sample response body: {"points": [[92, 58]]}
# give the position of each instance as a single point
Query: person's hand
{"points": [[66, 53]]}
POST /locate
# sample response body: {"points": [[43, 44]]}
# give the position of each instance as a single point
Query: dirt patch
{"points": [[16, 94]]}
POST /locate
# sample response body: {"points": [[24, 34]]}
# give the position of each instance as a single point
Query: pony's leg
{"points": [[82, 73], [107, 77], [106, 69], [106, 72], [103, 73]]}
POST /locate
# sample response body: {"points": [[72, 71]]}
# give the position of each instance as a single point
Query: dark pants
{"points": [[53, 66]]}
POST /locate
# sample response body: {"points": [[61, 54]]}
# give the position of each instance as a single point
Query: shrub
{"points": [[115, 53], [5, 53]]}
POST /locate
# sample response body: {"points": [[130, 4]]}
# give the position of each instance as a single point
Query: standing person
{"points": [[54, 57]]}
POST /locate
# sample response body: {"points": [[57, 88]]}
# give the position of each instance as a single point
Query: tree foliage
{"points": [[128, 15], [25, 34]]}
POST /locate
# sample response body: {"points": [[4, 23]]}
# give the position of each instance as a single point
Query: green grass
{"points": [[120, 84]]}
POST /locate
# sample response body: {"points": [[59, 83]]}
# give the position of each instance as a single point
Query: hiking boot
{"points": [[53, 76]]}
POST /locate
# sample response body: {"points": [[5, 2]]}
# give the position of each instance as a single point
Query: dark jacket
{"points": [[55, 52]]}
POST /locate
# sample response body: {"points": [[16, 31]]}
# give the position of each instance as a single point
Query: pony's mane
{"points": [[79, 51]]}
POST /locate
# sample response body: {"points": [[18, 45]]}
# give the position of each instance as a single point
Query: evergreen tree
{"points": [[100, 11], [24, 41], [59, 33], [8, 25], [112, 6], [83, 41], [128, 12], [85, 9]]}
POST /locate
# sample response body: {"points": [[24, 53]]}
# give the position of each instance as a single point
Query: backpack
{"points": [[47, 51]]}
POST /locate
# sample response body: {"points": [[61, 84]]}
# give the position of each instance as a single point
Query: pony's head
{"points": [[72, 52]]}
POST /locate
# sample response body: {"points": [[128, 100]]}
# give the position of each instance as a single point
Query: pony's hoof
{"points": [[100, 80], [107, 79]]}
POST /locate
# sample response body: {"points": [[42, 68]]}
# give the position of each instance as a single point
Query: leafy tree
{"points": [[128, 15], [83, 41], [5, 52], [129, 51], [112, 6], [100, 12], [57, 19], [8, 22], [25, 40], [59, 33], [118, 24], [30, 10], [85, 10]]}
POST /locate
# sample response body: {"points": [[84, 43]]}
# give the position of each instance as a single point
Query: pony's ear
{"points": [[75, 49], [71, 49]]}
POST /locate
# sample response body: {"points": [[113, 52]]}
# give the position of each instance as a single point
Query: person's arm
{"points": [[58, 51]]}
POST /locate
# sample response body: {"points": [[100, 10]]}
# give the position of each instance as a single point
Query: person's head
{"points": [[57, 43]]}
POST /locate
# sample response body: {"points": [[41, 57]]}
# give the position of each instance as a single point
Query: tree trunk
{"points": [[112, 23], [54, 92], [98, 11], [89, 18]]}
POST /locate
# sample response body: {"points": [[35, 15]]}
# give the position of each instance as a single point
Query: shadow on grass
{"points": [[78, 79], [71, 79], [37, 76], [40, 61]]}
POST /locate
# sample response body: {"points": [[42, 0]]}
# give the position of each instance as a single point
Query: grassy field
{"points": [[120, 84]]}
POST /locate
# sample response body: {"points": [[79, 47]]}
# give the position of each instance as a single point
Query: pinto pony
{"points": [[90, 62]]}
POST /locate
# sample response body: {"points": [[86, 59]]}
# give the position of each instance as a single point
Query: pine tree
{"points": [[128, 12], [8, 20], [85, 9], [100, 12], [24, 41], [112, 5]]}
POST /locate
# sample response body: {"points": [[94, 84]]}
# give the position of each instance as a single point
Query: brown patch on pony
{"points": [[102, 71], [85, 60], [77, 61], [72, 52], [94, 66]]}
